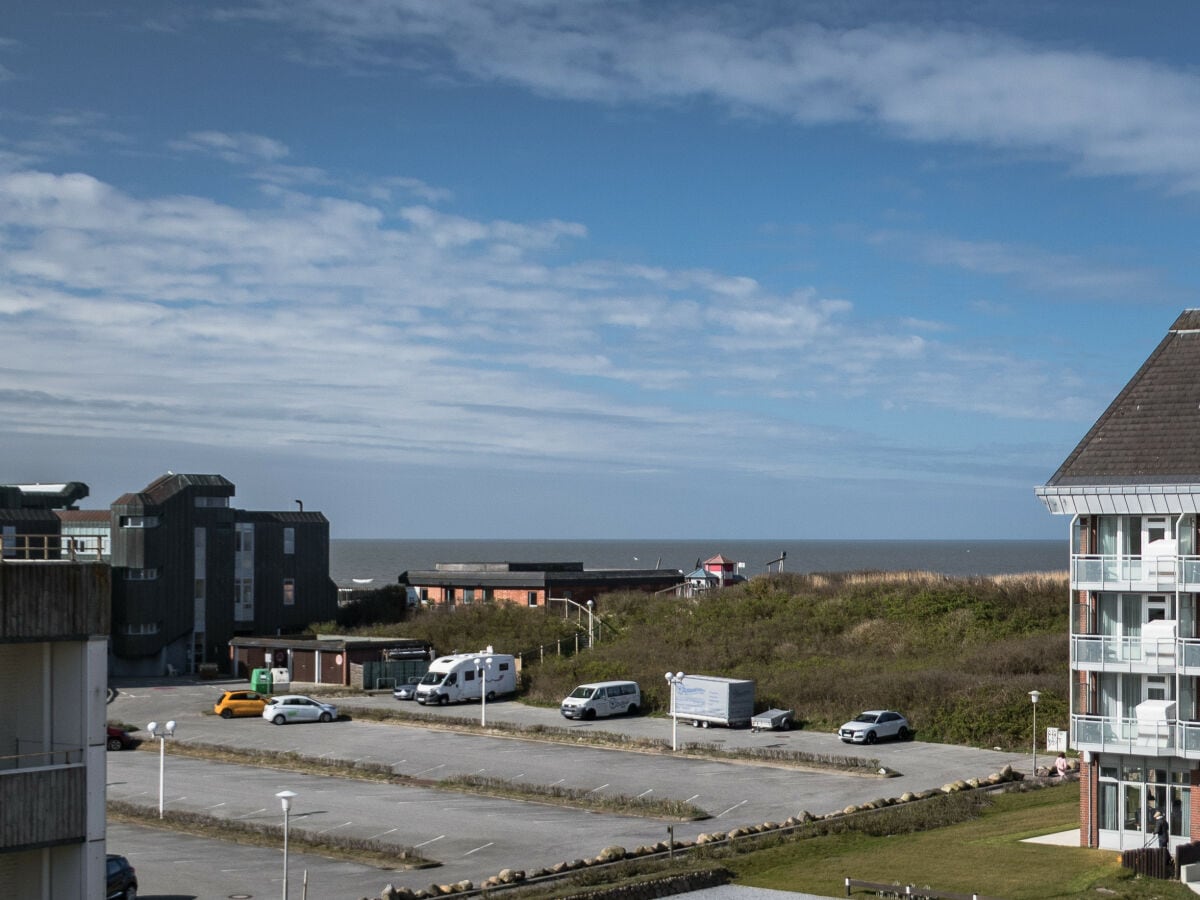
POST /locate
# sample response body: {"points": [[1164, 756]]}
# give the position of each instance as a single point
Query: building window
{"points": [[141, 628], [141, 574], [212, 502], [468, 595], [289, 541], [139, 521], [532, 598], [243, 538], [489, 594], [289, 592], [243, 599]]}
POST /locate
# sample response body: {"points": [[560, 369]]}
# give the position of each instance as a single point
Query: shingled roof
{"points": [[1150, 434]]}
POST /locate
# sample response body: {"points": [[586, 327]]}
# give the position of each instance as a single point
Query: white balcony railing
{"points": [[1126, 735], [1103, 653], [1115, 572]]}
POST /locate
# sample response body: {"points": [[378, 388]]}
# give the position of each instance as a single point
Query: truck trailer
{"points": [[707, 700]]}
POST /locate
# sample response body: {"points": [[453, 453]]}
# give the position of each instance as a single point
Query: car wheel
{"points": [[131, 893], [443, 699], [633, 709], [491, 695], [326, 717], [903, 733], [227, 713], [870, 738], [695, 723], [279, 719], [114, 743], [589, 714], [704, 724], [785, 725]]}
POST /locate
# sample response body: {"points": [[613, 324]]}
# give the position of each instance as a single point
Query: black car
{"points": [[122, 879]]}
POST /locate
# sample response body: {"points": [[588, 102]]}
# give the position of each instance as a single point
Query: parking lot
{"points": [[473, 837]]}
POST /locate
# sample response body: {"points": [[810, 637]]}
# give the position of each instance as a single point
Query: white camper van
{"points": [[603, 698], [455, 678]]}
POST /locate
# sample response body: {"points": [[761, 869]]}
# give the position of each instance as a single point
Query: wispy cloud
{"points": [[316, 322], [1099, 114]]}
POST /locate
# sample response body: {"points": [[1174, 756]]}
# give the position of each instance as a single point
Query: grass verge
{"points": [[985, 852], [375, 853]]}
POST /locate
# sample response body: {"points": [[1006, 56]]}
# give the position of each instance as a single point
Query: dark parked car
{"points": [[122, 879], [119, 739]]}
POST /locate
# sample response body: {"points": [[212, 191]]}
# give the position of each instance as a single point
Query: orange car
{"points": [[240, 703]]}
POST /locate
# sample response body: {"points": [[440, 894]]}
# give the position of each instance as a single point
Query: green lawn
{"points": [[985, 856]]}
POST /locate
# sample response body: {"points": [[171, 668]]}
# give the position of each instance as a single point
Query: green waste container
{"points": [[260, 680]]}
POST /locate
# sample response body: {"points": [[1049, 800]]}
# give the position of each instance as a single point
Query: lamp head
{"points": [[285, 797], [170, 728], [153, 729], [1034, 695]]}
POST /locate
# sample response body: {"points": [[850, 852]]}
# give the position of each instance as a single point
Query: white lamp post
{"points": [[482, 667], [591, 605], [1033, 696], [162, 734], [674, 679], [285, 797]]}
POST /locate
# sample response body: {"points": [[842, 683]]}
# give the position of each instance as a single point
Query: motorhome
{"points": [[460, 676], [602, 698]]}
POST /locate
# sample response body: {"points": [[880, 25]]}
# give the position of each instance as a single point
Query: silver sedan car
{"points": [[297, 708]]}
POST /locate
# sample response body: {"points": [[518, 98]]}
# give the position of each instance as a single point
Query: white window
{"points": [[289, 592], [243, 599], [141, 574], [243, 537], [139, 521], [140, 628], [532, 598], [289, 541], [212, 502]]}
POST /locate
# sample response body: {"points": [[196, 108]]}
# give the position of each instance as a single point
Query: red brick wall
{"points": [[1089, 777]]}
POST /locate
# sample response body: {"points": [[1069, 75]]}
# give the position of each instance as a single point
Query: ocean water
{"points": [[374, 563]]}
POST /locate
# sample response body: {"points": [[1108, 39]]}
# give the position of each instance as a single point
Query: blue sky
{"points": [[590, 270]]}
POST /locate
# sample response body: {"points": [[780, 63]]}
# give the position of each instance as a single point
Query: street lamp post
{"points": [[591, 605], [482, 667], [1033, 696], [674, 679], [285, 798], [166, 731]]}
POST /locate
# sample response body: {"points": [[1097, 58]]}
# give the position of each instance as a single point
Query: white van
{"points": [[602, 698], [455, 678]]}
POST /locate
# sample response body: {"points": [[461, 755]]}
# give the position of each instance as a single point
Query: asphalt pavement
{"points": [[474, 837]]}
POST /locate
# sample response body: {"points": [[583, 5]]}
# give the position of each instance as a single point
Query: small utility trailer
{"points": [[773, 720]]}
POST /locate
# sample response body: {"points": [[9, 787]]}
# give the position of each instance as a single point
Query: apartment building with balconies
{"points": [[1132, 491], [54, 623]]}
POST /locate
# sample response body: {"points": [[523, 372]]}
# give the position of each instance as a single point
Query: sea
{"points": [[368, 563]]}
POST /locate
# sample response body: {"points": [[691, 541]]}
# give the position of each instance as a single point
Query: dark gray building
{"points": [[190, 572]]}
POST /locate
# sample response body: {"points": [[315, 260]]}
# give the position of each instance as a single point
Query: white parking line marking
{"points": [[382, 833], [249, 814], [645, 792], [731, 809], [334, 828], [691, 798], [484, 847], [428, 842], [602, 787], [430, 769]]}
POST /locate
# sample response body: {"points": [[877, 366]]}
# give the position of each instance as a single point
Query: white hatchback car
{"points": [[296, 708], [868, 727]]}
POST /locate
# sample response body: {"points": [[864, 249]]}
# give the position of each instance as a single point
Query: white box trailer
{"points": [[707, 700], [456, 678]]}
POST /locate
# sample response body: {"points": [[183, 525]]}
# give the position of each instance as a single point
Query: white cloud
{"points": [[233, 148], [325, 326], [1102, 115]]}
